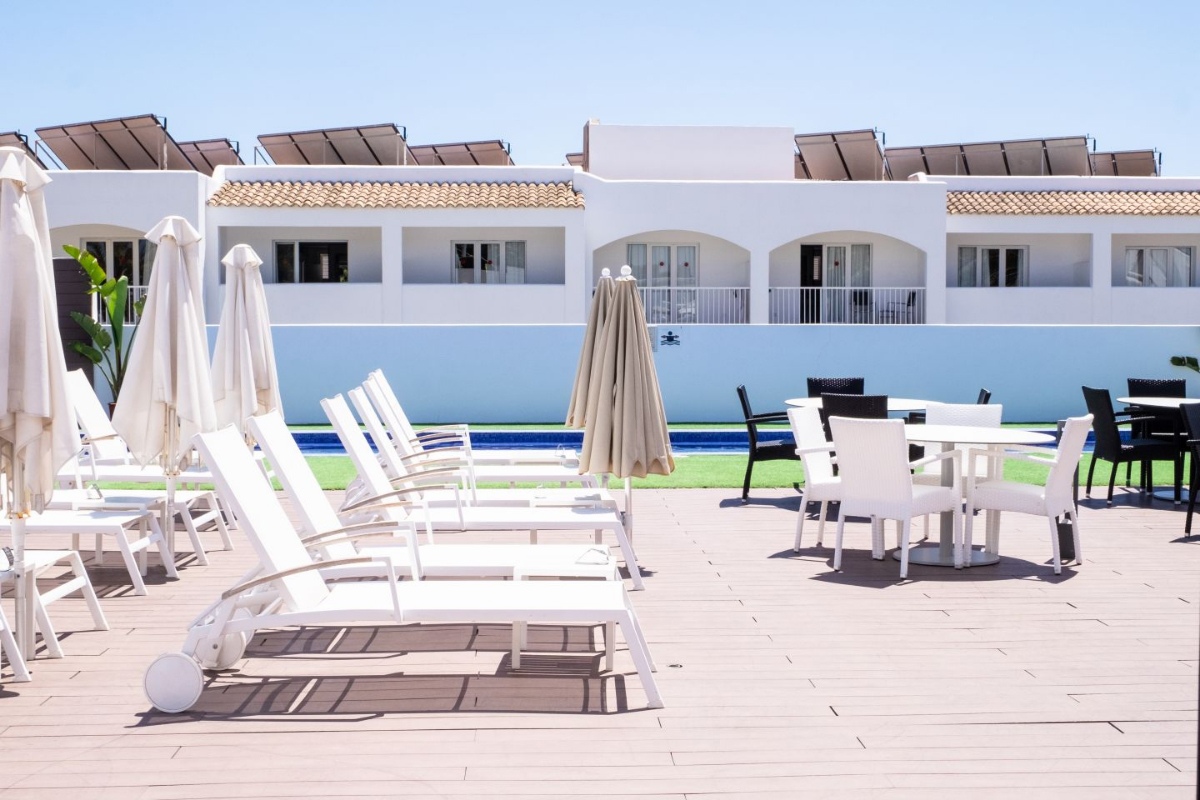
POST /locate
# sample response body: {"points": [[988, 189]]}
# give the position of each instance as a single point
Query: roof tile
{"points": [[1161, 204], [361, 194]]}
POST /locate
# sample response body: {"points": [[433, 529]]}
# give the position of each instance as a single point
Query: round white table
{"points": [[949, 437], [1177, 494], [898, 404]]}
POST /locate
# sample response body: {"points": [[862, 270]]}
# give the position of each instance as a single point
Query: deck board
{"points": [[780, 676]]}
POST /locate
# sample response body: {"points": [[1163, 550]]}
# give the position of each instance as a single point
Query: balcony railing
{"points": [[856, 305], [707, 305], [100, 311]]}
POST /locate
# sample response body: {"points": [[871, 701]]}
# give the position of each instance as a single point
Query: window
{"points": [[312, 262], [128, 257], [1160, 266], [993, 266], [489, 262], [669, 264]]}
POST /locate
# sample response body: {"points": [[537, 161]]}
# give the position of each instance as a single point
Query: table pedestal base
{"points": [[929, 555], [1168, 493]]}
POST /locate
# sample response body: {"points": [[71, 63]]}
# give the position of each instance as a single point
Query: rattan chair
{"points": [[774, 449], [858, 406], [1191, 422], [1164, 423], [821, 485], [1109, 446], [820, 386]]}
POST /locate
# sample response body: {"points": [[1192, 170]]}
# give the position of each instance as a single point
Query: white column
{"points": [[935, 281], [392, 271], [1102, 256], [760, 286], [577, 280]]}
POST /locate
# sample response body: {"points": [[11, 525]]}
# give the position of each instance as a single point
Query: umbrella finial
{"points": [[626, 271], [606, 273]]}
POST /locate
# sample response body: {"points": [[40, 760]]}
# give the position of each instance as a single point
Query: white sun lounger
{"points": [[381, 499], [395, 465], [382, 394], [321, 525], [291, 592], [38, 562]]}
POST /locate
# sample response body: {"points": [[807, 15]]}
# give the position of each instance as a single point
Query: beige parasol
{"points": [[589, 355], [37, 423], [244, 380]]}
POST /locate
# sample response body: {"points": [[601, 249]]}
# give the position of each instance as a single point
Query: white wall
{"points": [[718, 262], [1018, 306], [665, 152], [320, 303], [484, 304], [364, 247], [134, 200], [524, 373], [429, 252], [1054, 260]]}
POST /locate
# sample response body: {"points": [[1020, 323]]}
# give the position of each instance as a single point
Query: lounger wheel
{"points": [[229, 649], [173, 682]]}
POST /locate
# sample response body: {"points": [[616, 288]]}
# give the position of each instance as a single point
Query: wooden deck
{"points": [[781, 678]]}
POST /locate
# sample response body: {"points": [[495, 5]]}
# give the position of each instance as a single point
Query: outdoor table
{"points": [[941, 554], [897, 404], [1178, 494]]}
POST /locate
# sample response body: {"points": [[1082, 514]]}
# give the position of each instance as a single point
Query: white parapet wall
{"points": [[524, 373]]}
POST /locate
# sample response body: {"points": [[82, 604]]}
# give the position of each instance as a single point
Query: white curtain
{"points": [[514, 262], [968, 267], [860, 265], [635, 257]]}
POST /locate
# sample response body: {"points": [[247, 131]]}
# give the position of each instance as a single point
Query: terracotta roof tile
{"points": [[1163, 204], [359, 194]]}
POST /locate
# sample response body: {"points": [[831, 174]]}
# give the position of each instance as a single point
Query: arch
{"points": [[894, 261], [719, 261]]}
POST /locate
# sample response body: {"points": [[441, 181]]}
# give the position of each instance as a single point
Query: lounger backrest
{"points": [[106, 446], [375, 481], [241, 483], [389, 459], [302, 487], [391, 409]]}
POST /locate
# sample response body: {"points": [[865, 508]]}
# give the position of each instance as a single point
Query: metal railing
{"points": [[707, 305], [854, 305], [100, 311]]}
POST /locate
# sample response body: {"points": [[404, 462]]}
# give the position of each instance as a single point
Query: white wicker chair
{"points": [[873, 464], [820, 484], [1056, 498]]}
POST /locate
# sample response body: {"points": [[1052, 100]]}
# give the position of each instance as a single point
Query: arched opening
{"points": [[683, 276], [847, 277]]}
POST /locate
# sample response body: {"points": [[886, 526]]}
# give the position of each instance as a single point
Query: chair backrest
{"points": [[872, 456], [751, 427], [1061, 480], [301, 485], [1191, 422], [964, 414], [1104, 422], [375, 480], [381, 393], [389, 457], [983, 398], [820, 386], [1157, 387], [808, 432], [861, 406], [241, 483], [105, 445]]}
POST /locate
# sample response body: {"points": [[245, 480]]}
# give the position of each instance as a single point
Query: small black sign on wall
{"points": [[669, 338]]}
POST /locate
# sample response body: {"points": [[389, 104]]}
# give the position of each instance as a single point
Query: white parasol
{"points": [[589, 355], [37, 424], [166, 398], [244, 379]]}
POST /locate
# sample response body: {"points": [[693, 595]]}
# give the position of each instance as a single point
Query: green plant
{"points": [[109, 346], [1186, 361]]}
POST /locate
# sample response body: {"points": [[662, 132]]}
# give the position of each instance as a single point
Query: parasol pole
{"points": [[171, 471], [18, 512]]}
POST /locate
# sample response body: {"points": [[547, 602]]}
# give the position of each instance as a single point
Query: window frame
{"points": [[1191, 274], [979, 267], [478, 269], [297, 270]]}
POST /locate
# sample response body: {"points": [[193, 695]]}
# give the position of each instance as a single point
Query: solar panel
{"points": [[1134, 163], [366, 145], [206, 154], [575, 159], [492, 152], [140, 142], [842, 156], [20, 141], [1065, 155]]}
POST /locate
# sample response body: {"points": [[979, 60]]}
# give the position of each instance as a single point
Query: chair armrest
{"points": [[383, 500], [825, 448], [953, 455], [241, 588], [1018, 452], [773, 416], [380, 526]]}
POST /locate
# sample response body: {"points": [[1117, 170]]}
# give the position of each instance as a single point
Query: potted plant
{"points": [[109, 346], [1186, 361]]}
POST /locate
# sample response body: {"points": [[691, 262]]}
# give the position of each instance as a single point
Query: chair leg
{"points": [[905, 528], [837, 545], [1187, 523], [1178, 478], [968, 534], [1112, 479], [8, 646], [1074, 517], [746, 482], [1128, 472], [1092, 469], [800, 525], [1054, 544], [822, 511]]}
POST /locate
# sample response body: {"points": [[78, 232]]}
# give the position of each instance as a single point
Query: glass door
{"points": [[835, 302], [685, 294]]}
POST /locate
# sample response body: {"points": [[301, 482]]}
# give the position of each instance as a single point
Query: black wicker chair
{"points": [[861, 406], [1163, 424], [774, 449], [1109, 446], [1191, 422], [820, 386]]}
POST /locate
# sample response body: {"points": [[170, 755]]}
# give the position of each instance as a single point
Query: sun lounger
{"points": [[38, 562], [291, 592], [381, 498]]}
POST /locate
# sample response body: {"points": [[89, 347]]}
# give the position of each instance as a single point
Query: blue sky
{"points": [[533, 73]]}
